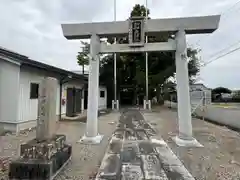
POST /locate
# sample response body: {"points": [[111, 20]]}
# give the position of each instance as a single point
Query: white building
{"points": [[199, 91], [19, 81]]}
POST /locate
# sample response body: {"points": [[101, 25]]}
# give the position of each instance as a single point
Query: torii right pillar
{"points": [[185, 137]]}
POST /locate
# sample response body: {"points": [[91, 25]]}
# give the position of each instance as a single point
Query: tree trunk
{"points": [[83, 69]]}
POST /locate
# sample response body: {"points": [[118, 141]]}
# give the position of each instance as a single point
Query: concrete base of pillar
{"points": [[82, 105], [115, 105], [186, 143], [91, 140], [147, 104]]}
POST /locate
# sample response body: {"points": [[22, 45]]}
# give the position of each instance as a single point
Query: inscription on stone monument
{"points": [[46, 109], [41, 109]]}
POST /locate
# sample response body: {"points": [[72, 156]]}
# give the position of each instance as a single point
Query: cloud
{"points": [[32, 27]]}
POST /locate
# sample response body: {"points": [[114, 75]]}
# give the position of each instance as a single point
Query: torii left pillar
{"points": [[91, 135]]}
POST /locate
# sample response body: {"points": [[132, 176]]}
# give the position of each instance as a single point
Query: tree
{"points": [[139, 10], [193, 64], [131, 67], [82, 57], [217, 93], [221, 90]]}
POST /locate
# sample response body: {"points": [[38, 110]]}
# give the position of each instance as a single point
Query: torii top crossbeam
{"points": [[191, 25]]}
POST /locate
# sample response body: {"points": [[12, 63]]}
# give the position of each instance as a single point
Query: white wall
{"points": [[102, 101], [9, 88], [228, 116], [15, 103], [29, 107]]}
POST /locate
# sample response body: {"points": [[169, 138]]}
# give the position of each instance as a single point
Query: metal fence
{"points": [[200, 99]]}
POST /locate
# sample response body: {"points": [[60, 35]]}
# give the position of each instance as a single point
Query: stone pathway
{"points": [[134, 153]]}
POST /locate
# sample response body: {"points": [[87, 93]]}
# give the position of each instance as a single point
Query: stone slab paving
{"points": [[219, 159], [85, 158], [134, 153]]}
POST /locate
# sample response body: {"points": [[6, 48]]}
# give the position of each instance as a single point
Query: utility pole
{"points": [[146, 56], [115, 61]]}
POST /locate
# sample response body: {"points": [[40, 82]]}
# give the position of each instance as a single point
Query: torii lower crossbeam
{"points": [[149, 47]]}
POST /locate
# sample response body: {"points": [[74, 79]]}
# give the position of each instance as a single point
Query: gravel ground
{"points": [[85, 158], [219, 159]]}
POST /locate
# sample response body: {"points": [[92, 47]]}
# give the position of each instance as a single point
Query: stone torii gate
{"points": [[137, 29]]}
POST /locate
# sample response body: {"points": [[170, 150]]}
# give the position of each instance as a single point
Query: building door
{"points": [[78, 97], [70, 109], [85, 98]]}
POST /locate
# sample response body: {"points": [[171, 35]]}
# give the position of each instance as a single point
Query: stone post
{"points": [[117, 104], [82, 105], [46, 122], [82, 101], [91, 134], [149, 104], [113, 105]]}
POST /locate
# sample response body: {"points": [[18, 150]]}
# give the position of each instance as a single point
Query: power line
{"points": [[222, 13], [232, 7], [224, 49], [221, 56]]}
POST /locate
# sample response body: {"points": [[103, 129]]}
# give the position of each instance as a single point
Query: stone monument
{"points": [[44, 156]]}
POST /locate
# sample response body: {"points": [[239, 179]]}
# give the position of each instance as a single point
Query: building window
{"points": [[102, 94], [34, 90]]}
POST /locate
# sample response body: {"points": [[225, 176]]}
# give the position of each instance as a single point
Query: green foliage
{"points": [[193, 64], [220, 90], [139, 10], [82, 57], [131, 67]]}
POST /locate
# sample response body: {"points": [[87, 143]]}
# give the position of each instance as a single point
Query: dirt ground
{"points": [[219, 159], [85, 158]]}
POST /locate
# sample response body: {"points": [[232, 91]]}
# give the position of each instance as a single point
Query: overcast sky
{"points": [[32, 28]]}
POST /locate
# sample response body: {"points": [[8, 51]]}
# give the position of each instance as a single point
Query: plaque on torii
{"points": [[136, 34]]}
